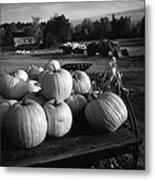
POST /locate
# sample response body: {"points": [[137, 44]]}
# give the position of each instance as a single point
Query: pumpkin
{"points": [[26, 124], [81, 82], [108, 112], [3, 109], [36, 97], [77, 104], [2, 99], [52, 65], [34, 71], [13, 87], [59, 118], [56, 85], [21, 74], [33, 86]]}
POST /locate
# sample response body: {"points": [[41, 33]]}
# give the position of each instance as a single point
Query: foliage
{"points": [[58, 29]]}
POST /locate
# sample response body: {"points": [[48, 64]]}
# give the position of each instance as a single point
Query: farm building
{"points": [[20, 39]]}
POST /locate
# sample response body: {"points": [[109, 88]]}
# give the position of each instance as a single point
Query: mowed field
{"points": [[133, 69]]}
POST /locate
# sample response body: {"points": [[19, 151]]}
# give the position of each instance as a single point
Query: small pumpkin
{"points": [[21, 74], [56, 85], [13, 87], [26, 124], [81, 82], [108, 112], [77, 104], [34, 71], [53, 65], [59, 118]]}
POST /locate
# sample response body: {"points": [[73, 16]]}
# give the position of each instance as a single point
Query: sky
{"points": [[14, 12]]}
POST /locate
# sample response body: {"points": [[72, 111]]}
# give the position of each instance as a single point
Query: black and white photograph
{"points": [[72, 85]]}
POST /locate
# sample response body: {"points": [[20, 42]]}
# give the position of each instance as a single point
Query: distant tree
{"points": [[105, 27], [2, 37], [84, 31], [57, 30], [77, 33], [28, 30], [6, 36], [143, 27], [87, 28], [96, 34], [36, 30], [121, 28]]}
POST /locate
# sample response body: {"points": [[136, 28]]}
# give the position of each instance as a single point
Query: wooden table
{"points": [[73, 150]]}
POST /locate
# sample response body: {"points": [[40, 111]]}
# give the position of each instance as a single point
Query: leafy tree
{"points": [[121, 28], [36, 30], [2, 36], [6, 36], [104, 27], [143, 26], [57, 30]]}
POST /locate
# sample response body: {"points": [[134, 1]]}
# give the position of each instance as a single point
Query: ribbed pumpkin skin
{"points": [[21, 74], [56, 85], [52, 65], [81, 82], [26, 124], [13, 87], [77, 104], [59, 118], [106, 113]]}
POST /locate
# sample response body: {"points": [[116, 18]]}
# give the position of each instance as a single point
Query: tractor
{"points": [[106, 48]]}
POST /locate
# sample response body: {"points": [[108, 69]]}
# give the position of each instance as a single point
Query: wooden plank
{"points": [[70, 146]]}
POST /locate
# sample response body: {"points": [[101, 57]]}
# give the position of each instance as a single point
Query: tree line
{"points": [[58, 29]]}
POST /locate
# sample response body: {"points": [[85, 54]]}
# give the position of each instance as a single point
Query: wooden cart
{"points": [[78, 150]]}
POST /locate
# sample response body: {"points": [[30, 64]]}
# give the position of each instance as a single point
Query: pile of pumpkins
{"points": [[39, 102]]}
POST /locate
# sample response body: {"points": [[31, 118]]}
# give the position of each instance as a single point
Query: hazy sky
{"points": [[72, 10]]}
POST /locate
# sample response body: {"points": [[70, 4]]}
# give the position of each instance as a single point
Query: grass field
{"points": [[133, 69]]}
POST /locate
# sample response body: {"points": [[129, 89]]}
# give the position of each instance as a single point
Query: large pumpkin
{"points": [[59, 118], [108, 112], [13, 87], [21, 74], [81, 82], [56, 85], [77, 104], [26, 124], [52, 65]]}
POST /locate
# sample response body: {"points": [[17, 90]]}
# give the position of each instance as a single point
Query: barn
{"points": [[22, 41]]}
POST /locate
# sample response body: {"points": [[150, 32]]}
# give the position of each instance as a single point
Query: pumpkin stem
{"points": [[54, 102], [24, 100]]}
